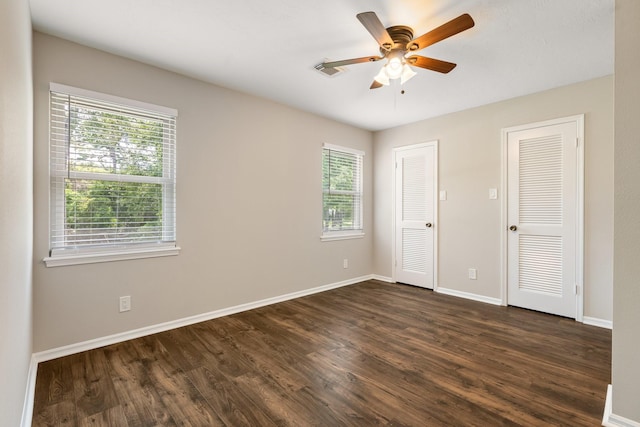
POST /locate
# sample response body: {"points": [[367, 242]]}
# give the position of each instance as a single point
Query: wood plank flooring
{"points": [[363, 355]]}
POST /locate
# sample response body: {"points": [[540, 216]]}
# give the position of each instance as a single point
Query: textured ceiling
{"points": [[269, 48]]}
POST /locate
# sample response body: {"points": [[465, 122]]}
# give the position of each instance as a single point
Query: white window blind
{"points": [[342, 190], [112, 172]]}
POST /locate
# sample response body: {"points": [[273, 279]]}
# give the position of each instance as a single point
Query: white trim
{"points": [[617, 421], [178, 323], [609, 419], [70, 90], [436, 210], [579, 121], [335, 235], [29, 398], [394, 153], [349, 150], [382, 278], [594, 321], [504, 206], [413, 146], [436, 205], [468, 295], [607, 407], [109, 255]]}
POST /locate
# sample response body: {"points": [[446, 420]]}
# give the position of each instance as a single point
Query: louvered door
{"points": [[542, 197], [415, 215]]}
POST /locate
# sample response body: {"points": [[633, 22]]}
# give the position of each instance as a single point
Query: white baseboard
{"points": [[173, 324], [594, 321], [468, 295], [609, 419], [382, 278], [607, 407], [27, 408]]}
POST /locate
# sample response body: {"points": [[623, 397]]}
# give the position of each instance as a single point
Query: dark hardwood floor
{"points": [[368, 354]]}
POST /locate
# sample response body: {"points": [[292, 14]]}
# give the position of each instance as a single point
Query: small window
{"points": [[341, 193], [112, 178]]}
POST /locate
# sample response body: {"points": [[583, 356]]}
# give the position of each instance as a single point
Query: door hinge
{"points": [[577, 142], [396, 165], [576, 289]]}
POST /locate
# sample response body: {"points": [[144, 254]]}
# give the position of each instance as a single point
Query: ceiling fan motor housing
{"points": [[401, 36]]}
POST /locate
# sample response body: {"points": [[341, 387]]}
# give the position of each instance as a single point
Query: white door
{"points": [[415, 188], [542, 208]]}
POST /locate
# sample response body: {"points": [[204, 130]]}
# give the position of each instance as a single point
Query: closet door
{"points": [[542, 207], [415, 176]]}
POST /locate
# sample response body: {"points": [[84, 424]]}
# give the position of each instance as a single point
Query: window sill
{"points": [[341, 236], [108, 256]]}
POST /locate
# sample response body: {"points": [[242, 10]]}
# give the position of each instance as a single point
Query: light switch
{"points": [[493, 193], [443, 194]]}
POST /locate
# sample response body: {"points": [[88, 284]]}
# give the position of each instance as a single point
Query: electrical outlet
{"points": [[125, 303], [345, 263], [473, 274], [493, 193]]}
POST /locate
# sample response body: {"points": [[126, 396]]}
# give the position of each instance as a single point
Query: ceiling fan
{"points": [[397, 45]]}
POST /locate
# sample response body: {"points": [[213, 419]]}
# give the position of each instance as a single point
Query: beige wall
{"points": [[469, 164], [16, 207], [626, 303], [249, 204]]}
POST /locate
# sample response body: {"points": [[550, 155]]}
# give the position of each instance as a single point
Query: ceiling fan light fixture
{"points": [[407, 74], [393, 71], [382, 76], [394, 68]]}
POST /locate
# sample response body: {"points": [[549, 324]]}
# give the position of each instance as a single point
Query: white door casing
{"points": [[543, 257], [415, 214]]}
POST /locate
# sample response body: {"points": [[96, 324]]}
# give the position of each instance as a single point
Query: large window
{"points": [[341, 192], [112, 178]]}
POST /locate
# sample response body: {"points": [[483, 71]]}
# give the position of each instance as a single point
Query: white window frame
{"points": [[330, 235], [84, 255]]}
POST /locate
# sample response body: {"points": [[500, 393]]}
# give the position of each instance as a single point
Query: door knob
{"points": [[429, 225], [513, 228]]}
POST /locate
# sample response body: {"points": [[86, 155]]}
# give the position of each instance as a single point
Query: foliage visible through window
{"points": [[112, 174], [342, 190]]}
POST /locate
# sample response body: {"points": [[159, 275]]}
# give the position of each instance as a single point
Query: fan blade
{"points": [[372, 23], [375, 85], [334, 64], [451, 28], [431, 64]]}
